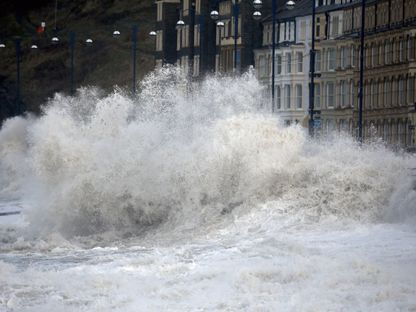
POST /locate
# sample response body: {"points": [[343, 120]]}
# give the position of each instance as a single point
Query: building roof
{"points": [[304, 8]]}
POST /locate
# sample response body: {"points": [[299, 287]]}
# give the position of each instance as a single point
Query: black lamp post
{"points": [[312, 74], [72, 43], [220, 26], [134, 31], [72, 51], [236, 11], [18, 42], [361, 91]]}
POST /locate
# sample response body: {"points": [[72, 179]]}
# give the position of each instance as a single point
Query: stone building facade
{"points": [[389, 67], [389, 70]]}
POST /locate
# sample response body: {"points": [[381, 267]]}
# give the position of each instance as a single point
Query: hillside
{"points": [[47, 70]]}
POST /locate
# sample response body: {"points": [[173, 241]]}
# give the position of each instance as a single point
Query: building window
{"points": [[380, 54], [302, 35], [347, 57], [318, 27], [380, 95], [373, 55], [279, 64], [317, 102], [196, 66], [159, 40], [354, 60], [331, 59], [373, 94], [410, 89], [159, 11], [196, 35], [178, 39], [387, 93], [343, 93], [298, 96], [330, 92], [278, 97], [262, 66], [402, 95], [287, 96], [185, 8], [352, 91], [388, 53], [395, 47], [300, 61], [335, 26], [288, 63], [402, 51], [318, 61], [342, 57], [411, 48]]}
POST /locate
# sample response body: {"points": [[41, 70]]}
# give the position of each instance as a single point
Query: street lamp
{"points": [[215, 15], [290, 5], [2, 45], [116, 33], [55, 40], [257, 15], [152, 34]]}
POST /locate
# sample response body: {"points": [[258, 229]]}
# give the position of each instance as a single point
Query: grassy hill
{"points": [[47, 70]]}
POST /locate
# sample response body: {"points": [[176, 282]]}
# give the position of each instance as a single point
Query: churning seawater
{"points": [[193, 198]]}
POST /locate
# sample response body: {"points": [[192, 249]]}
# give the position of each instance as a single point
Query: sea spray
{"points": [[183, 155]]}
